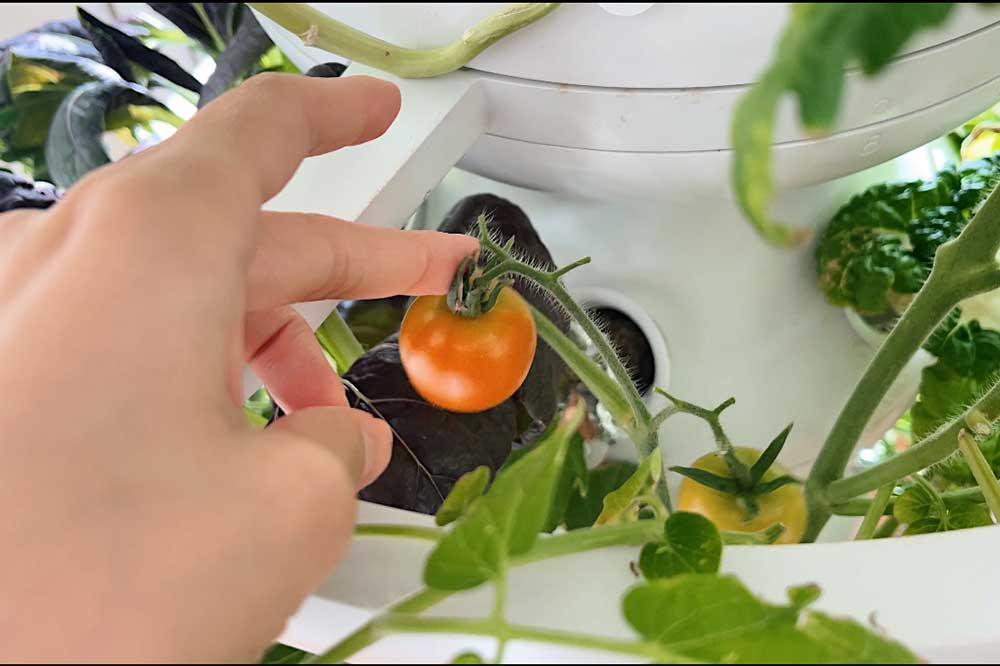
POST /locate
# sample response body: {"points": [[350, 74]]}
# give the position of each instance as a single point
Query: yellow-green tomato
{"points": [[786, 505]]}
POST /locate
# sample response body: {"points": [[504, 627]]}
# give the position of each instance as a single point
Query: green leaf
{"points": [[774, 484], [468, 658], [965, 514], [466, 490], [943, 394], [770, 454], [183, 15], [923, 526], [619, 503], [507, 520], [249, 45], [691, 544], [53, 43], [923, 512], [716, 619], [584, 509], [74, 146], [916, 503], [121, 49], [573, 480], [818, 44], [111, 53]]}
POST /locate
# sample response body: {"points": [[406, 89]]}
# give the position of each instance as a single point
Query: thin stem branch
{"points": [[366, 635], [712, 418], [859, 506], [982, 471], [875, 512], [629, 534], [508, 632], [604, 388], [578, 314], [962, 268], [764, 537], [405, 531], [317, 29], [921, 455]]}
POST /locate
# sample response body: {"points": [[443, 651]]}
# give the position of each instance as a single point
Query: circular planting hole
{"points": [[632, 345]]}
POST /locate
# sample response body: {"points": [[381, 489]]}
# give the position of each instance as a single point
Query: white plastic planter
{"points": [[635, 109]]}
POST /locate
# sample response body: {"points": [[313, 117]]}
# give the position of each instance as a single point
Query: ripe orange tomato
{"points": [[786, 505], [466, 364]]}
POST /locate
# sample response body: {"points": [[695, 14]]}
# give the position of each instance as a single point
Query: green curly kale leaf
{"points": [[878, 249], [875, 255]]}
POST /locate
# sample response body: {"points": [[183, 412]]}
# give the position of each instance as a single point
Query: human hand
{"points": [[143, 520]]}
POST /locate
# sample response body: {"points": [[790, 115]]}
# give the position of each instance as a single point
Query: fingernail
{"points": [[378, 439]]}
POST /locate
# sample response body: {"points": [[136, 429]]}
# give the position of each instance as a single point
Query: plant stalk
{"points": [[921, 455], [338, 340], [366, 635], [590, 373], [405, 531], [507, 632], [962, 268], [317, 29], [982, 470], [860, 506], [875, 512]]}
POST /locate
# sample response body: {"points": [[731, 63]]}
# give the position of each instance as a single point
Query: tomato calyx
{"points": [[473, 292], [745, 482], [476, 288]]}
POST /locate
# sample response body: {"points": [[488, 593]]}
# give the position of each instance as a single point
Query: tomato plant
{"points": [[467, 364]]}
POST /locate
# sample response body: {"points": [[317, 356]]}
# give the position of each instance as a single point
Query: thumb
{"points": [[359, 441]]}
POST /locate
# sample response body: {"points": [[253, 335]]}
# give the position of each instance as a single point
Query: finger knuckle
{"points": [[266, 84]]}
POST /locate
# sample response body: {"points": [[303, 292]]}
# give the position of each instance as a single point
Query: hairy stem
{"points": [[317, 29], [921, 455], [604, 388], [712, 418], [962, 268]]}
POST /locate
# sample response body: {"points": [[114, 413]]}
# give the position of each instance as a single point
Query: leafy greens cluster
{"points": [[877, 252]]}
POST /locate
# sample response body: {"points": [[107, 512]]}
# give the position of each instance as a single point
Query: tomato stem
{"points": [[739, 470], [963, 267]]}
